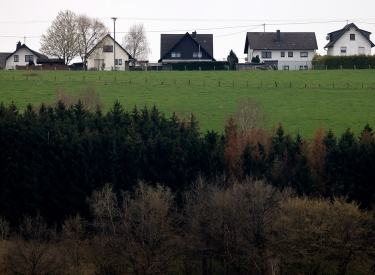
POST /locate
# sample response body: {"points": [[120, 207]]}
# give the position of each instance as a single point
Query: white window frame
{"points": [[29, 58], [290, 54], [343, 50], [16, 58], [304, 54]]}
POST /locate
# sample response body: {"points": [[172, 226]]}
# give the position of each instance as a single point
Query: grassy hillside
{"points": [[301, 100]]}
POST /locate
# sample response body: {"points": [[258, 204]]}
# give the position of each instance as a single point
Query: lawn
{"points": [[300, 100]]}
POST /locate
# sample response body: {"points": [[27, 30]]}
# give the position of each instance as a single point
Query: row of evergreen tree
{"points": [[52, 158]]}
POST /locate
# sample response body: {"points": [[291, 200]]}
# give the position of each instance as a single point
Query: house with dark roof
{"points": [[22, 56], [282, 50], [350, 40], [103, 55], [186, 47]]}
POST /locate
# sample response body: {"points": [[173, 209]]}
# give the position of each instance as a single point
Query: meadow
{"points": [[300, 100]]}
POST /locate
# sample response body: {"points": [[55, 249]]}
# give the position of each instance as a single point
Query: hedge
{"points": [[343, 62]]}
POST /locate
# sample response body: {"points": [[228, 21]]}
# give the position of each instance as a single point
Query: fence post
{"points": [[354, 67]]}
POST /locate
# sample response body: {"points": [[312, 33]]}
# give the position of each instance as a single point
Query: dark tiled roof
{"points": [[168, 41], [39, 55], [334, 36], [288, 41], [108, 35], [3, 57]]}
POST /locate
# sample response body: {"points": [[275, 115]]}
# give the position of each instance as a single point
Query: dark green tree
{"points": [[232, 59]]}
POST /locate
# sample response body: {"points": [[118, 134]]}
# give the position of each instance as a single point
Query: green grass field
{"points": [[301, 101]]}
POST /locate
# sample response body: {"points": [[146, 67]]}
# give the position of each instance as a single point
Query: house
{"points": [[22, 56], [282, 50], [102, 56], [350, 40], [186, 47]]}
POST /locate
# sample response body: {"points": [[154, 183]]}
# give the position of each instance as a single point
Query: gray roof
{"points": [[288, 41], [3, 57], [334, 36], [168, 41]]}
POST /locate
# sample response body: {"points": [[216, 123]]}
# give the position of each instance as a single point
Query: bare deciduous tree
{"points": [[136, 43], [249, 115], [61, 39], [35, 250], [90, 32]]}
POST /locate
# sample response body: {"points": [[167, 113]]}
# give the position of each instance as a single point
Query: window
{"points": [[290, 54], [107, 48], [361, 50], [282, 54], [29, 58], [176, 54], [16, 58], [352, 36], [197, 54], [343, 50], [304, 54], [118, 61], [266, 55], [286, 67]]}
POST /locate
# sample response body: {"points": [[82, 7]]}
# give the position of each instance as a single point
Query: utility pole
{"points": [[114, 44]]}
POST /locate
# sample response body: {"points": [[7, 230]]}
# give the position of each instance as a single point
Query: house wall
{"points": [[351, 45], [108, 57], [186, 47], [294, 62], [10, 64]]}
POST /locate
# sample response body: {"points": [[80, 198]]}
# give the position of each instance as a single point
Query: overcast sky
{"points": [[228, 21]]}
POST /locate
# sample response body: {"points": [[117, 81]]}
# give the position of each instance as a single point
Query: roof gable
{"points": [[288, 41], [38, 55], [100, 43], [336, 35], [169, 41]]}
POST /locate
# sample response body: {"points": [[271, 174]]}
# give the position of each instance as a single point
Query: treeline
{"points": [[52, 158], [221, 227], [361, 61], [326, 167]]}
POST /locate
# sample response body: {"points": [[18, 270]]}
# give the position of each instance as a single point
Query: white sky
{"points": [[228, 21]]}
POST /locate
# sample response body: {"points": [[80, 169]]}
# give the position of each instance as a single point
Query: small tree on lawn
{"points": [[232, 59]]}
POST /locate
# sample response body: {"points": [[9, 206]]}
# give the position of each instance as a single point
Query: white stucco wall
{"points": [[108, 56], [294, 62], [351, 45], [10, 64]]}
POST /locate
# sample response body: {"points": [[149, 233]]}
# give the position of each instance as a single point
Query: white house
{"points": [[284, 50], [21, 57], [350, 40], [103, 55]]}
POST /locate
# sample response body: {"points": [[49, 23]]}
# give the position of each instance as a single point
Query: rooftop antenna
{"points": [[24, 40]]}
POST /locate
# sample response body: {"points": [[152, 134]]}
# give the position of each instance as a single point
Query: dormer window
{"points": [[176, 54], [352, 36], [197, 54]]}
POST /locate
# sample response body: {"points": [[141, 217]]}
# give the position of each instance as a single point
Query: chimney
{"points": [[194, 34], [278, 36], [18, 45]]}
